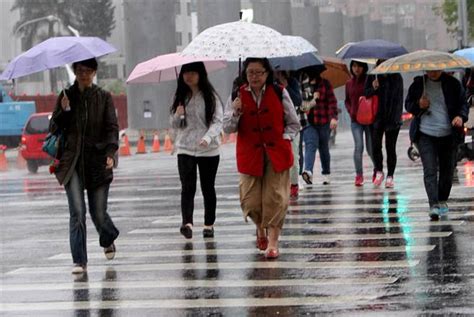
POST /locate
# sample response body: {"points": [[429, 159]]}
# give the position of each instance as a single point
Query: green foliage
{"points": [[116, 87], [448, 10]]}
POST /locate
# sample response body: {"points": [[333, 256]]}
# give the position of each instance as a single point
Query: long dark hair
{"points": [[266, 65], [183, 91], [365, 67]]}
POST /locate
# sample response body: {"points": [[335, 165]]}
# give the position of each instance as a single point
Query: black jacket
{"points": [[90, 129], [390, 93], [454, 98]]}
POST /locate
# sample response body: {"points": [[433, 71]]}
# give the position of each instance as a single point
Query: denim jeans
{"points": [[438, 159], [391, 137], [187, 167], [77, 221], [358, 132], [317, 137]]}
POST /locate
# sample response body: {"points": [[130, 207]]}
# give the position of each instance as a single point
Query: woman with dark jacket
{"points": [[354, 90], [85, 116], [389, 89], [438, 102]]}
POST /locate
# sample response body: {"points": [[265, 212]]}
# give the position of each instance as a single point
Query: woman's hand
{"points": [[424, 102], [237, 106], [457, 122], [110, 163], [203, 143], [375, 84], [65, 104], [180, 110], [333, 124]]}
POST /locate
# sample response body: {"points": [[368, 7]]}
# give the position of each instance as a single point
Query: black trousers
{"points": [[438, 159], [391, 137], [187, 167]]}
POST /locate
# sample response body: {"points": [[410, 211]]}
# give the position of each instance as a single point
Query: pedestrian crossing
{"points": [[341, 253]]}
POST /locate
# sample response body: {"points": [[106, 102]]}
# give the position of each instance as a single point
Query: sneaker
{"points": [[326, 180], [389, 182], [110, 252], [359, 180], [186, 231], [79, 268], [294, 191], [307, 177], [208, 232], [434, 213], [443, 208], [378, 179]]}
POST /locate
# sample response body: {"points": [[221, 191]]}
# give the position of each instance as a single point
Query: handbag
{"points": [[367, 111], [51, 143]]}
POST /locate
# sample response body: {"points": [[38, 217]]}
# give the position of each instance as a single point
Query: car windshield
{"points": [[37, 125]]}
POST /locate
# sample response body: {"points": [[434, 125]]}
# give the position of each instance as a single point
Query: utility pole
{"points": [[462, 24]]}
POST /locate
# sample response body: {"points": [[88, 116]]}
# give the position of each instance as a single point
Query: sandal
{"points": [[272, 254], [262, 242]]}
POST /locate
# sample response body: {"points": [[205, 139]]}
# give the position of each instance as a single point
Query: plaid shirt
{"points": [[326, 105]]}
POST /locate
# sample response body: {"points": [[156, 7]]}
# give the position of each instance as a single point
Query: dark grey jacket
{"points": [[90, 129]]}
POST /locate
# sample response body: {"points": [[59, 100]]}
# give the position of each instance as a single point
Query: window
{"points": [[188, 8], [177, 7], [179, 40], [190, 37]]}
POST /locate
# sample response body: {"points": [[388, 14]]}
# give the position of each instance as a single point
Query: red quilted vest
{"points": [[261, 131]]}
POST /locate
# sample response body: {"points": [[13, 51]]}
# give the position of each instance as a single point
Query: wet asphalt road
{"points": [[344, 250]]}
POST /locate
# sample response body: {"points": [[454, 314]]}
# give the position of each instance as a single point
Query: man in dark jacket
{"points": [[85, 117], [438, 102], [389, 89]]}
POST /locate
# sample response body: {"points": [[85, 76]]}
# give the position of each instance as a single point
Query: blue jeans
{"points": [[317, 137], [358, 131], [77, 221], [438, 159]]}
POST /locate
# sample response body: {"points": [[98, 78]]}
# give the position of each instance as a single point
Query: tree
{"points": [[81, 15], [448, 10]]}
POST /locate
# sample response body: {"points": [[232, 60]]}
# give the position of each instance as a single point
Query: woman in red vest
{"points": [[266, 121]]}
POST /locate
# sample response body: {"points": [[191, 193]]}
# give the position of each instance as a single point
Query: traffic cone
{"points": [[141, 144], [20, 161], [155, 148], [125, 146], [168, 146], [3, 159]]}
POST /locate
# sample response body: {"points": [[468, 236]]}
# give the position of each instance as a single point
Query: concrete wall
{"points": [[274, 14], [305, 23], [353, 28], [332, 32], [372, 28], [149, 31]]}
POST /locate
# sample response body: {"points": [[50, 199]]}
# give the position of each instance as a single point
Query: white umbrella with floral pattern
{"points": [[239, 40]]}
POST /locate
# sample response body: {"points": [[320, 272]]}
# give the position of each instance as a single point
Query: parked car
{"points": [[34, 133]]}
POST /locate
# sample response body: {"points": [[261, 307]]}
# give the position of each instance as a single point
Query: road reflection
{"points": [[81, 294]]}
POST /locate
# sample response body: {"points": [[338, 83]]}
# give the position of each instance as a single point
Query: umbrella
{"points": [[238, 40], [55, 52], [466, 53], [336, 71], [379, 49], [422, 60], [167, 67], [300, 43], [295, 62]]}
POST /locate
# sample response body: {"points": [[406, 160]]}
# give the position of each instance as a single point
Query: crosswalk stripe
{"points": [[228, 266], [166, 283], [312, 226], [186, 303], [236, 251]]}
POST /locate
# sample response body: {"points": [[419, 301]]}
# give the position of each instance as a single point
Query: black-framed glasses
{"points": [[256, 73]]}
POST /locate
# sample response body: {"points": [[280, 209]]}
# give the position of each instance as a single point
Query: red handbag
{"points": [[367, 111]]}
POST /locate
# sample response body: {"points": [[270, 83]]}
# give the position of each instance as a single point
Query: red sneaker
{"points": [[359, 180], [294, 191]]}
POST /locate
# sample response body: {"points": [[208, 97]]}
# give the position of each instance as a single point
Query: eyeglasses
{"points": [[256, 73], [86, 71]]}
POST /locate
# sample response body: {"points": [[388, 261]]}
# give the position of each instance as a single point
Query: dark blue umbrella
{"points": [[379, 49], [296, 62]]}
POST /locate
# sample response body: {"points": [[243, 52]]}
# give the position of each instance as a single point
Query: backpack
{"points": [[367, 111]]}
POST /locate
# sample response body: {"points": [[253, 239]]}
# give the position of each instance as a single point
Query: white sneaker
{"points": [[326, 180], [110, 252], [79, 269]]}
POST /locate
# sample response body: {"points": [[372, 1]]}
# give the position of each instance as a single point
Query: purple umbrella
{"points": [[378, 49], [55, 52]]}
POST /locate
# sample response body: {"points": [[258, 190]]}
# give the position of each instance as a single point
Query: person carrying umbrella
{"points": [[439, 103], [389, 89], [196, 115], [266, 121], [85, 116]]}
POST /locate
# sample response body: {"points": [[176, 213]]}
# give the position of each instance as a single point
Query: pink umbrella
{"points": [[167, 67]]}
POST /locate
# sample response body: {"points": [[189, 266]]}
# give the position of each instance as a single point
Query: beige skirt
{"points": [[265, 198]]}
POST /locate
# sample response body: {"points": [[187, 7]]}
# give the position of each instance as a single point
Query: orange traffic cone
{"points": [[125, 146], [156, 143], [168, 146], [3, 158], [141, 144], [20, 161]]}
